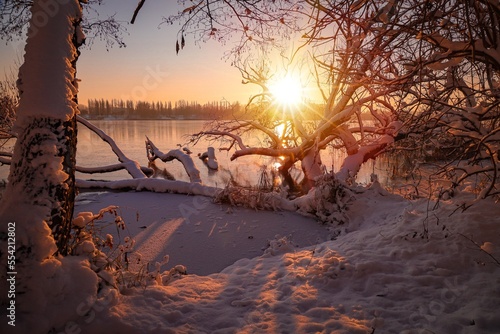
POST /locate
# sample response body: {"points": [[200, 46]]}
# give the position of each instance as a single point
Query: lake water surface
{"points": [[130, 136]]}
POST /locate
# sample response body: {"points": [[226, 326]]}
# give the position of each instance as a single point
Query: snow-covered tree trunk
{"points": [[311, 167], [38, 201], [42, 174]]}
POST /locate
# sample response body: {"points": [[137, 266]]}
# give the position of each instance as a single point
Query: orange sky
{"points": [[148, 68]]}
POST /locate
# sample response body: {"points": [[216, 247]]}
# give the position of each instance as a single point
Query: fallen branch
{"points": [[209, 159], [154, 153], [154, 185], [6, 160], [110, 168], [481, 249], [132, 166]]}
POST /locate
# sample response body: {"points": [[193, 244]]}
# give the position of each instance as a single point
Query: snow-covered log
{"points": [[186, 160], [5, 158], [209, 158], [111, 168], [133, 167], [154, 185]]}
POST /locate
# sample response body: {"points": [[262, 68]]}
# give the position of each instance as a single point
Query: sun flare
{"points": [[287, 91]]}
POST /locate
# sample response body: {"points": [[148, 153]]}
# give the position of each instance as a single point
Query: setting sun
{"points": [[287, 91]]}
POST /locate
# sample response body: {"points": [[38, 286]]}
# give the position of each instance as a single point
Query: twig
{"points": [[139, 6], [481, 249]]}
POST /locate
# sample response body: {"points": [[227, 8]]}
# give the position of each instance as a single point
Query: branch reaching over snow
{"points": [[5, 159]]}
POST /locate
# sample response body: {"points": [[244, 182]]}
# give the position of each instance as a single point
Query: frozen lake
{"points": [[168, 134]]}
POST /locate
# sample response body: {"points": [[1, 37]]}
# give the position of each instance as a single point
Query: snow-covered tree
{"points": [[451, 110], [48, 103], [37, 206], [43, 164], [403, 65]]}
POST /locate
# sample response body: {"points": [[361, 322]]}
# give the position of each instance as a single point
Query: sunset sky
{"points": [[148, 68]]}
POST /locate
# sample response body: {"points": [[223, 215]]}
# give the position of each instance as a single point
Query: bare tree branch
{"points": [[136, 11]]}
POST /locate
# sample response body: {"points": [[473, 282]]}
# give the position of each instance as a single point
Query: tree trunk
{"points": [[287, 179], [311, 167], [42, 175], [44, 144], [62, 216]]}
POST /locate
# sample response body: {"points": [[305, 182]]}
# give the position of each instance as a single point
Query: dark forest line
{"points": [[181, 109]]}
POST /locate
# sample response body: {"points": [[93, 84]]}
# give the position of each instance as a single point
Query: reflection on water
{"points": [[130, 136], [166, 134]]}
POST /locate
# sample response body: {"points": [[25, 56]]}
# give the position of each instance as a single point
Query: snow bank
{"points": [[396, 268], [48, 289]]}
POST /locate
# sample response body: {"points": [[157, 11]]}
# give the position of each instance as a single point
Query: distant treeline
{"points": [[120, 109]]}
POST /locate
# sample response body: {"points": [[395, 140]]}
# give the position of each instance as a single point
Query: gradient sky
{"points": [[148, 68]]}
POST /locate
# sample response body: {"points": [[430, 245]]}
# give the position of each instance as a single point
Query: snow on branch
{"points": [[154, 153], [154, 185], [5, 158], [132, 166], [108, 169], [209, 159], [352, 163], [271, 152], [5, 161]]}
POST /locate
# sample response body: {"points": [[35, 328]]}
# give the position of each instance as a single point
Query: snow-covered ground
{"points": [[194, 232], [396, 267]]}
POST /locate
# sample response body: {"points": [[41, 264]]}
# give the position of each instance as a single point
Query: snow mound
{"points": [[398, 268], [49, 289]]}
